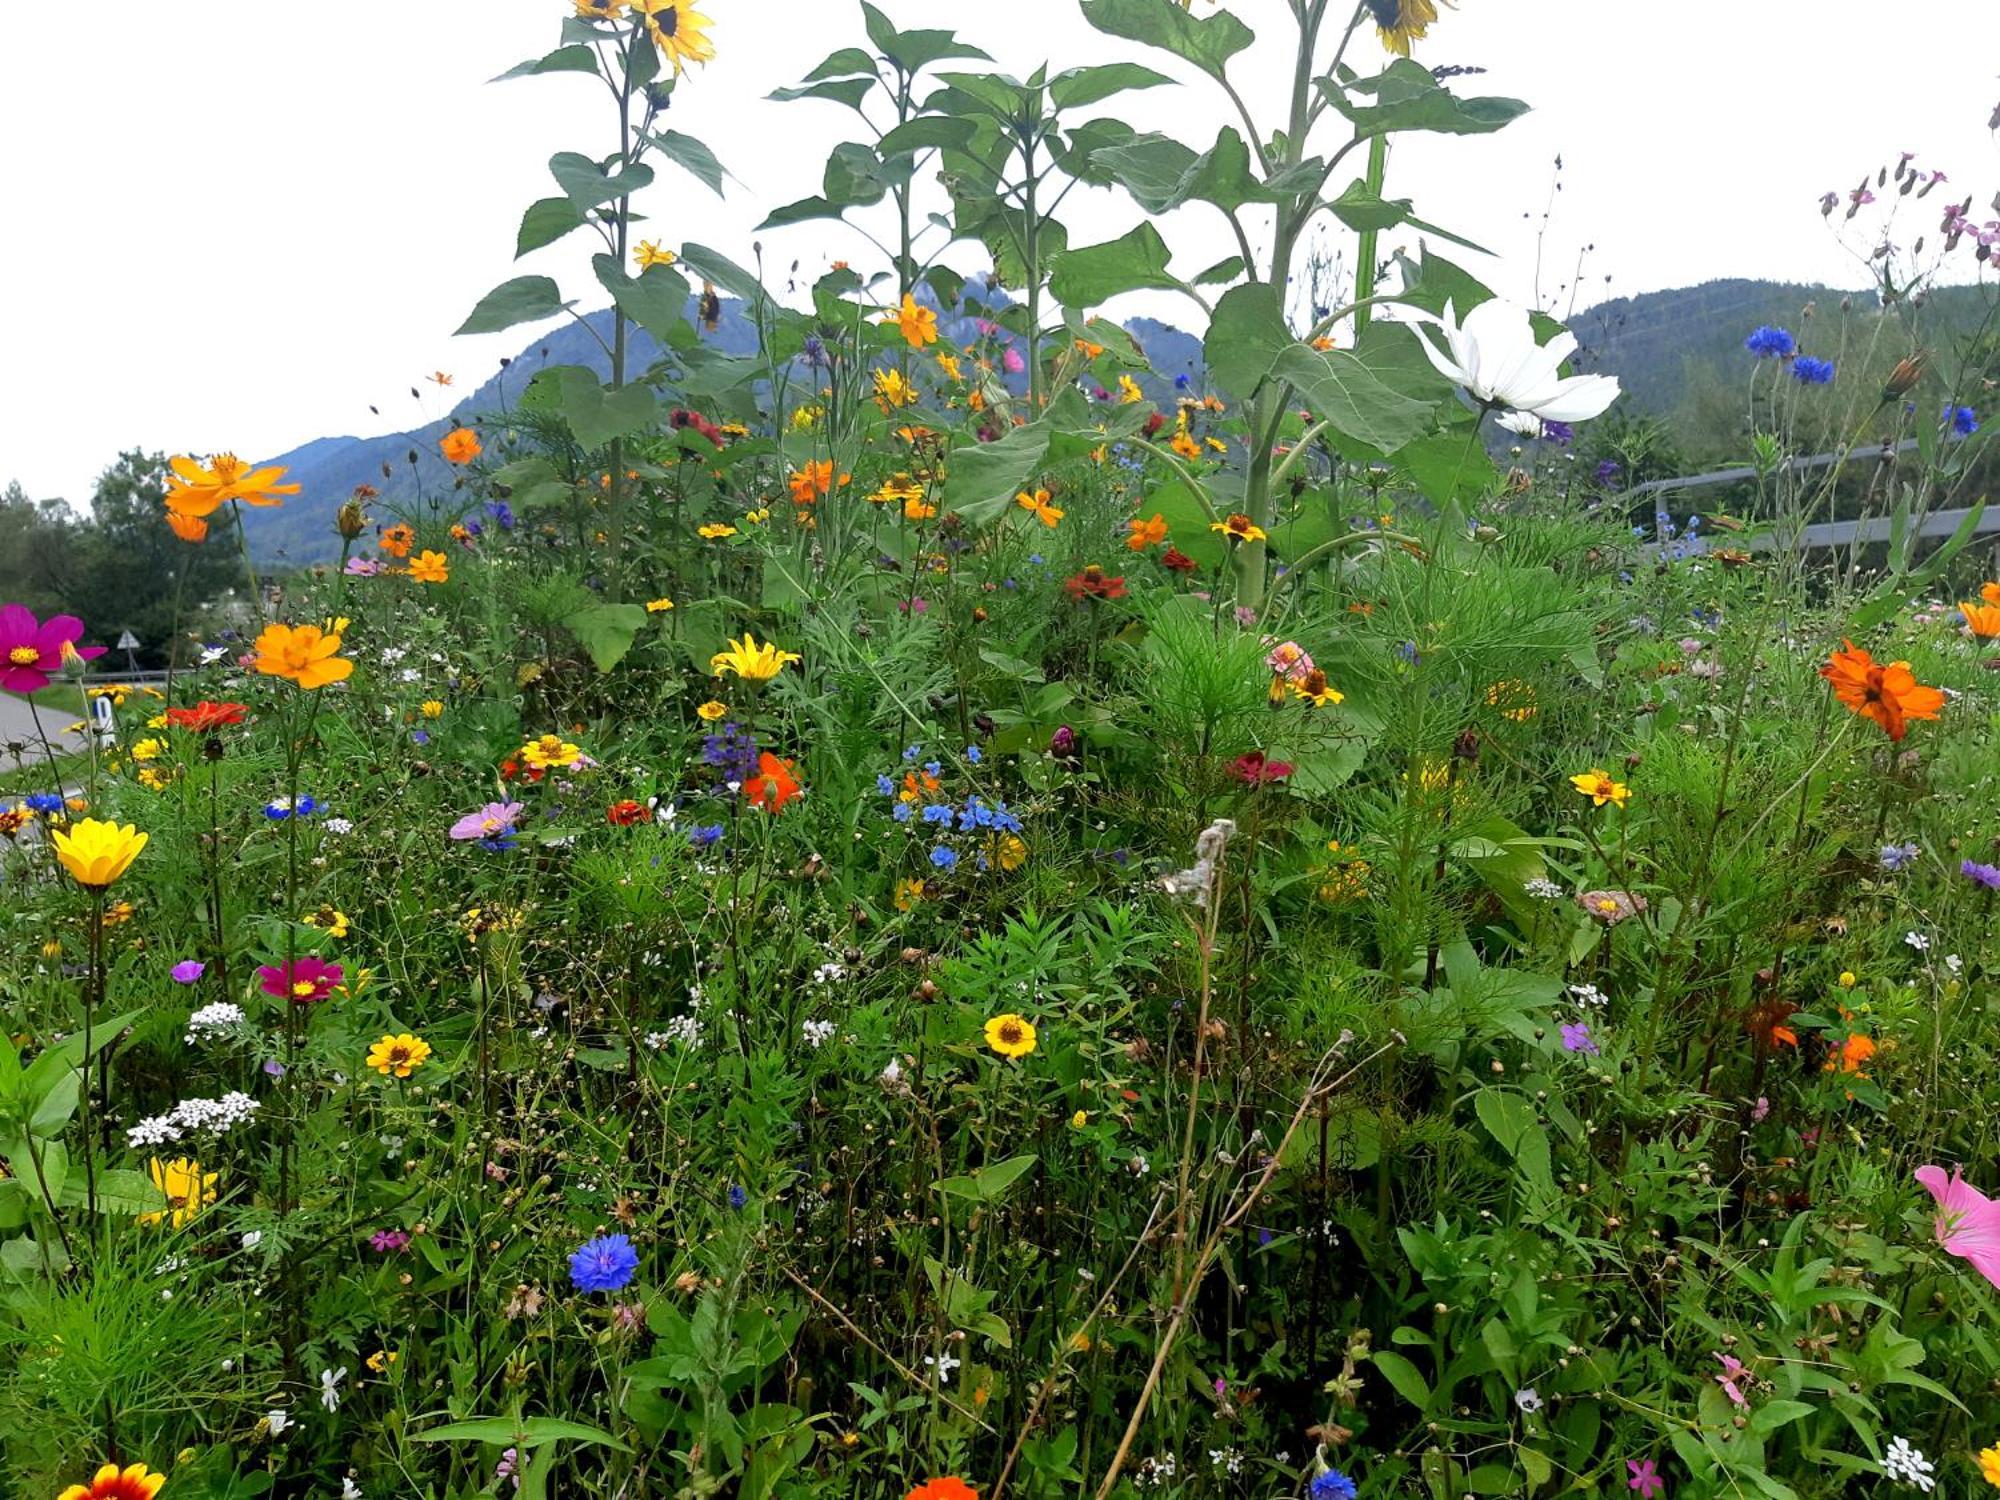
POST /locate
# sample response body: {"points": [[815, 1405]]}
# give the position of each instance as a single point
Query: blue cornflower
{"points": [[1899, 856], [932, 768], [1333, 1485], [1964, 420], [1004, 819], [280, 808], [737, 1196], [1180, 382], [885, 785], [911, 752], [1771, 343], [1978, 874], [498, 843], [972, 753], [944, 859], [937, 812], [1809, 371], [902, 812], [420, 736], [1037, 559], [703, 835], [502, 514], [604, 1264], [45, 802], [1408, 651]]}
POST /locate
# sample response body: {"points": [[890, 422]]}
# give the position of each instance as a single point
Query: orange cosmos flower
{"points": [[397, 540], [813, 481], [1038, 504], [773, 785], [187, 528], [950, 1488], [1990, 593], [1146, 533], [460, 446], [1983, 620], [1889, 695], [1850, 1055], [429, 567], [918, 324], [305, 654], [197, 491]]}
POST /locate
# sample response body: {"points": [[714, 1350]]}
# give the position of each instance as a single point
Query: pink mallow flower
{"points": [[1968, 1222]]}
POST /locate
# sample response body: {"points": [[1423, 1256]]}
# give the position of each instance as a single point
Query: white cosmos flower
{"points": [[1494, 357], [1526, 423]]}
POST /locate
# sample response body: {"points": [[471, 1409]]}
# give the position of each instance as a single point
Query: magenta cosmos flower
{"points": [[303, 981], [492, 821], [32, 651]]}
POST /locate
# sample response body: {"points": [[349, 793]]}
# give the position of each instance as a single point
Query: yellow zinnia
{"points": [[1239, 528], [95, 853], [401, 1055], [1011, 1035], [188, 1189], [551, 750], [750, 661], [712, 710], [305, 654]]}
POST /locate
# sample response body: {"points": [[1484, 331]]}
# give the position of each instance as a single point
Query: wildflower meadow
{"points": [[941, 910]]}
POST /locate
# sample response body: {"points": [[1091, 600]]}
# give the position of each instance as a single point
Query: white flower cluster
{"points": [[216, 1117], [685, 1030], [213, 1021], [828, 972], [818, 1033], [1906, 1464], [1543, 889]]}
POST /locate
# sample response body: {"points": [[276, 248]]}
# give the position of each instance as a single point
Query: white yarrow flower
{"points": [[1493, 356]]}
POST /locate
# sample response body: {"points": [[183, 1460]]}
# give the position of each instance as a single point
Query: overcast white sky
{"points": [[236, 227]]}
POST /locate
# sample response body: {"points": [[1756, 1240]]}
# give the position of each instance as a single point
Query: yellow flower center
{"points": [[24, 656], [303, 987]]}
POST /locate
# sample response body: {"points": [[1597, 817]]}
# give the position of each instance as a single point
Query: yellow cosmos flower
{"points": [[1989, 1465], [330, 921], [381, 1360], [949, 364], [188, 1189], [304, 654], [750, 661], [1038, 504], [1600, 788], [650, 254], [1011, 1035], [1129, 393], [147, 750], [892, 391], [710, 711], [908, 894], [194, 490], [678, 30], [1239, 528], [659, 606], [715, 531], [133, 1482], [551, 750], [430, 567], [401, 1055], [96, 854], [1007, 851], [918, 324]]}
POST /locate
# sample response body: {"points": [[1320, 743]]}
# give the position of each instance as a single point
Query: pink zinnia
{"points": [[1289, 661], [303, 981], [1968, 1222], [32, 651], [490, 822]]}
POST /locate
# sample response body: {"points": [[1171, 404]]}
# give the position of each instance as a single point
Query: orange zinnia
{"points": [[1983, 620], [1889, 694], [134, 1482], [305, 654], [773, 785], [460, 446], [1849, 1055]]}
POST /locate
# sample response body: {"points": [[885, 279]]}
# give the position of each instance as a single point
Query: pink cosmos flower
{"points": [[364, 567], [1968, 1222], [303, 981], [490, 822], [32, 651]]}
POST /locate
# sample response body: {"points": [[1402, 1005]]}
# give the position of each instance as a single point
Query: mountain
{"points": [[1661, 345]]}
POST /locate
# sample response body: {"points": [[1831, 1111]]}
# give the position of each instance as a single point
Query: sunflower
{"points": [[1239, 528], [401, 1055], [1889, 694], [1401, 22], [188, 1191], [133, 1482], [1011, 1035], [678, 30]]}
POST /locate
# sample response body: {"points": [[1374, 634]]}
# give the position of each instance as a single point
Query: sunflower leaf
{"points": [[525, 299]]}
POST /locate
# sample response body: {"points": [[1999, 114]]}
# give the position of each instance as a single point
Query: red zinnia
{"points": [[1254, 770], [206, 717], [1177, 561], [304, 981], [1094, 583], [624, 814], [773, 785]]}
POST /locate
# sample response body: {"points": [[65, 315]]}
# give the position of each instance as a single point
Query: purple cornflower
{"points": [[738, 1196], [1577, 1038], [1896, 857], [1986, 875], [1608, 471], [188, 970], [389, 1241], [604, 1264], [502, 515]]}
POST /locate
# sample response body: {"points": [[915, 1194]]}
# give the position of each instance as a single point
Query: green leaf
{"points": [[1407, 97], [926, 132], [546, 221], [586, 184], [1087, 85], [1511, 1121], [607, 631], [848, 91], [801, 212], [1361, 210], [119, 1191], [985, 476], [1341, 389], [1245, 338], [655, 299], [1161, 174], [1187, 524], [534, 1432], [1404, 1376], [525, 299], [995, 1180], [1207, 42], [687, 152], [1096, 273], [573, 59], [912, 50], [712, 265], [598, 417]]}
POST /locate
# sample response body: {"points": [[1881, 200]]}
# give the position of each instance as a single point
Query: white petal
{"points": [[1578, 399]]}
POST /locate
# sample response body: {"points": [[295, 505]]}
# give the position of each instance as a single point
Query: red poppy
{"points": [[948, 1488], [206, 717], [624, 814], [1254, 770], [1094, 583], [773, 785]]}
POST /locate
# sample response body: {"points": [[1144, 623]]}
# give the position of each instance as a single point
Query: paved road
{"points": [[20, 744]]}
